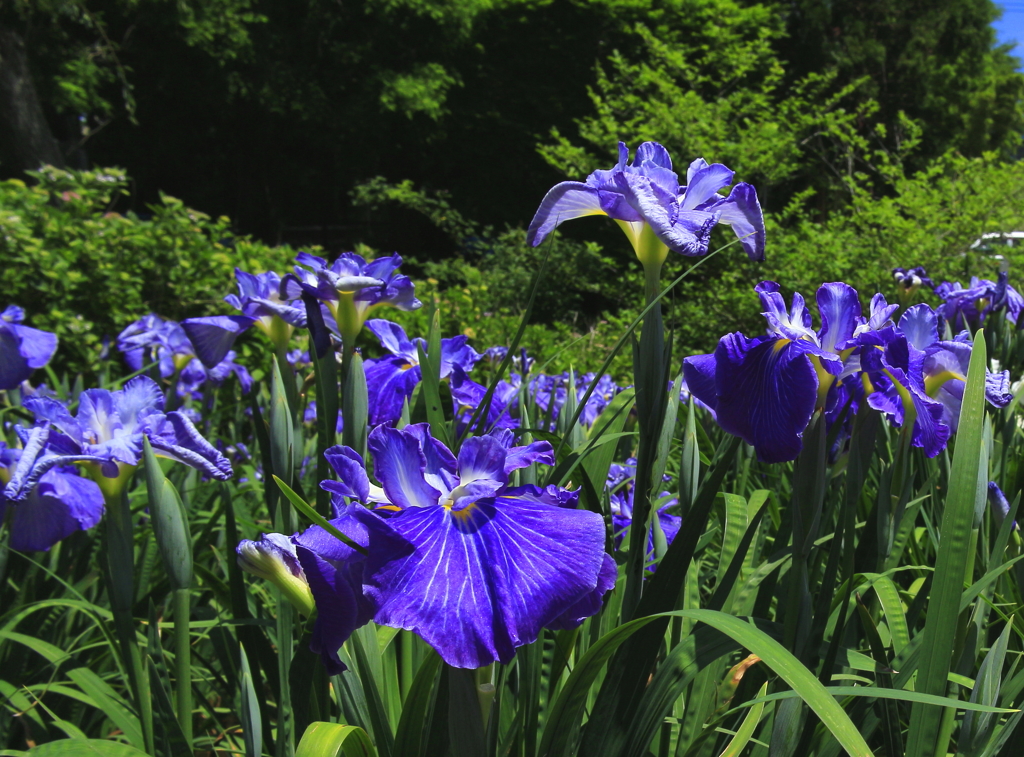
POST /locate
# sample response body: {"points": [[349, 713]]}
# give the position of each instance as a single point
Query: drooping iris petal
{"points": [[563, 202], [34, 347], [591, 603], [392, 337], [536, 452], [214, 336], [390, 382], [699, 375], [930, 431], [60, 504], [56, 414], [174, 436], [468, 395], [766, 392], [742, 211], [353, 481], [485, 579], [22, 349], [997, 388], [334, 573]]}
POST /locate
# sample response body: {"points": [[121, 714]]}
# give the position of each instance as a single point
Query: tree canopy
{"points": [[377, 122]]}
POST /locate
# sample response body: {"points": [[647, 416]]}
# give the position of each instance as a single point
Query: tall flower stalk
{"points": [[657, 214]]}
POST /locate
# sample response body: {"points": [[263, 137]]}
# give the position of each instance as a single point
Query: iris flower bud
{"points": [[273, 558]]}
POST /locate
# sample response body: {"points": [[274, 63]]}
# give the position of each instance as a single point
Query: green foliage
{"points": [[727, 588], [85, 272], [703, 79], [422, 90], [484, 288], [936, 62]]}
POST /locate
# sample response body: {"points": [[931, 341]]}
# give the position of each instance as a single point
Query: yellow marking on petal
{"points": [[825, 380], [463, 515], [909, 410], [932, 384], [780, 344], [394, 508], [869, 388]]}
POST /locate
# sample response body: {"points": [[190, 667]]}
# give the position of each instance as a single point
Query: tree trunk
{"points": [[26, 141]]}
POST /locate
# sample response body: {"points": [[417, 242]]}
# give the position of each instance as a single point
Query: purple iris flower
{"points": [[60, 504], [913, 367], [259, 298], [766, 389], [151, 338], [195, 375], [351, 287], [390, 380], [477, 568], [309, 416], [657, 213], [334, 571], [494, 356], [619, 485], [467, 395], [911, 280], [299, 359], [550, 393], [967, 307], [274, 559], [602, 395], [22, 349], [999, 505], [107, 431]]}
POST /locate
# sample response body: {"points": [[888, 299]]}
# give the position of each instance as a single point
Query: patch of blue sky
{"points": [[1010, 28]]}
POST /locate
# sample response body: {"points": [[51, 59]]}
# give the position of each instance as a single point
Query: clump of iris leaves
{"points": [[858, 597]]}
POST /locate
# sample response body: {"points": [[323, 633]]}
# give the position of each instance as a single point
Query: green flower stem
{"points": [[120, 554], [407, 674], [183, 661], [652, 280], [327, 398], [5, 542], [354, 402], [285, 650], [650, 377]]}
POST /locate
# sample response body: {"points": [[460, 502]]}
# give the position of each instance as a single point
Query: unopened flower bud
{"points": [[273, 558]]}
